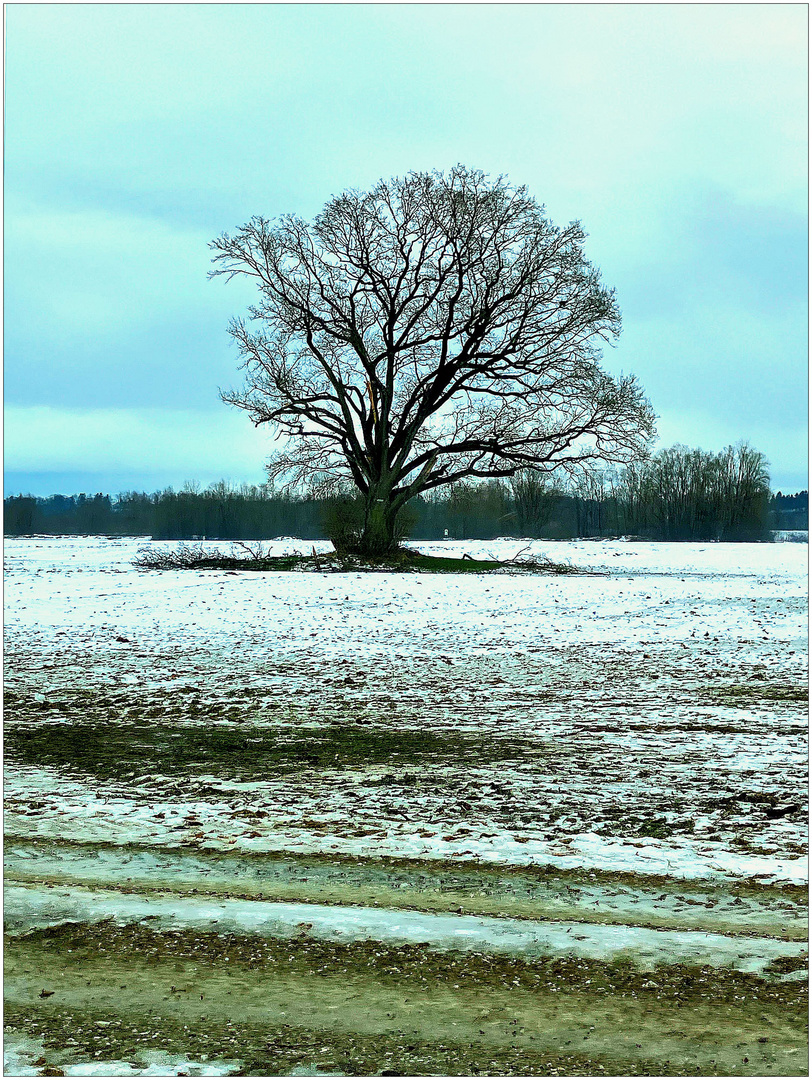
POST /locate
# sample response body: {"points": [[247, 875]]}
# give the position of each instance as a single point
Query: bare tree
{"points": [[744, 492], [694, 494], [589, 491], [434, 329], [534, 498]]}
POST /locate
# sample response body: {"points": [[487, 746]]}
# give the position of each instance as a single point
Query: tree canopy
{"points": [[436, 328]]}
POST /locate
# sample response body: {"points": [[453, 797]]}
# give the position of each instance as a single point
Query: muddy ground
{"points": [[366, 1009]]}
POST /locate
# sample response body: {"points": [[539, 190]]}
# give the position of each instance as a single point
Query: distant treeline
{"points": [[790, 511], [678, 494]]}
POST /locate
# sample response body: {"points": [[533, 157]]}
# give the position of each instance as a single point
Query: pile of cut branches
{"points": [[198, 557], [246, 556], [183, 557]]}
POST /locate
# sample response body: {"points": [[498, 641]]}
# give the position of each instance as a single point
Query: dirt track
{"points": [[364, 1008]]}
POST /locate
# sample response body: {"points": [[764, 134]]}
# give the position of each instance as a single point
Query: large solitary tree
{"points": [[435, 328]]}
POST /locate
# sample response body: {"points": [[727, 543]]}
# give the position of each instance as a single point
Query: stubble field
{"points": [[408, 824]]}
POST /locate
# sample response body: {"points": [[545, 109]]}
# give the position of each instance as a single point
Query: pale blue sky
{"points": [[677, 134]]}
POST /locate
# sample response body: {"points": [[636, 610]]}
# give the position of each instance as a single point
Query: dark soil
{"points": [[119, 751]]}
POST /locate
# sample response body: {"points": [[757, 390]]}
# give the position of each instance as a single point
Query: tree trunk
{"points": [[378, 537]]}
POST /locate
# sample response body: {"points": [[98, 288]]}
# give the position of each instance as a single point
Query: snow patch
{"points": [[25, 1056], [27, 908]]}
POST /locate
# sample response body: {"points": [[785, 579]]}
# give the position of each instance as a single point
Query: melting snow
{"points": [[32, 907], [23, 1056]]}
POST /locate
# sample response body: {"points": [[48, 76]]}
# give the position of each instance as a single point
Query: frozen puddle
{"points": [[28, 908]]}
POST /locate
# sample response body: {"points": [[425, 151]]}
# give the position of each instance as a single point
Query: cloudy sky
{"points": [[677, 134]]}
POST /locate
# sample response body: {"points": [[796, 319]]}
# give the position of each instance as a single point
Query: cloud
{"points": [[136, 133], [95, 272], [723, 362], [108, 309], [191, 443], [721, 253]]}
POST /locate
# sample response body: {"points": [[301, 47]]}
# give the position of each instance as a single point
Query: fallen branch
{"points": [[257, 553], [547, 565]]}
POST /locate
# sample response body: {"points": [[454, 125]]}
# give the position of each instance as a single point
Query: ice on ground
{"points": [[32, 907], [639, 901]]}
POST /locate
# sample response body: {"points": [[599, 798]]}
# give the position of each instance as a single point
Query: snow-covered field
{"points": [[637, 735], [582, 715]]}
